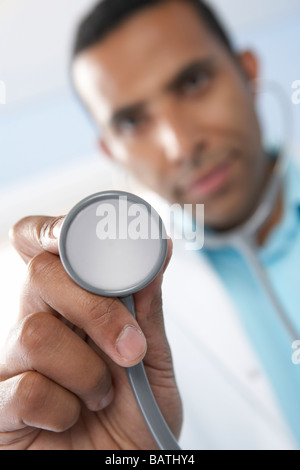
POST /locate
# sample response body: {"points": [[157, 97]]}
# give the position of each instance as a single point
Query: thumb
{"points": [[158, 359], [33, 235], [149, 315]]}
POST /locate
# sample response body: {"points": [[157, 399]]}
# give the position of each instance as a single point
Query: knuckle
{"points": [[99, 380], [35, 267], [35, 332], [32, 391], [100, 311], [44, 405], [40, 267]]}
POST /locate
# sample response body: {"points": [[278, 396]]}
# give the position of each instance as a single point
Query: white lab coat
{"points": [[227, 399]]}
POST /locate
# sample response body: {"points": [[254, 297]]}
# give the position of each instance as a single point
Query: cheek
{"points": [[143, 159], [230, 109], [231, 119]]}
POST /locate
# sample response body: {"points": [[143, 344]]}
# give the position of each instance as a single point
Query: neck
{"points": [[276, 214]]}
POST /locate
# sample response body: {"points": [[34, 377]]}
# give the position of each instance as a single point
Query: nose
{"points": [[179, 136]]}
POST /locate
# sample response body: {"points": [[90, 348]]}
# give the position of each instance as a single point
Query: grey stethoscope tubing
{"points": [[90, 262], [145, 399], [243, 238]]}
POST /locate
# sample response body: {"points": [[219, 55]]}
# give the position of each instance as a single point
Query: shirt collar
{"points": [[292, 184]]}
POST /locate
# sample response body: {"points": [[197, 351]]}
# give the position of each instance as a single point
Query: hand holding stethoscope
{"points": [[106, 252]]}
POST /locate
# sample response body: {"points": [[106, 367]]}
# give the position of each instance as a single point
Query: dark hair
{"points": [[107, 15]]}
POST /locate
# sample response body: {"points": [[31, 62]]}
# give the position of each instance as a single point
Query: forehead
{"points": [[137, 59]]}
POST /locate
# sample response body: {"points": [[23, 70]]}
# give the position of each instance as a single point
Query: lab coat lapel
{"points": [[200, 303]]}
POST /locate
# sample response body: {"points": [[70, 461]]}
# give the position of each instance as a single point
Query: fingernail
{"points": [[131, 343], [97, 405], [107, 400], [54, 231], [50, 234]]}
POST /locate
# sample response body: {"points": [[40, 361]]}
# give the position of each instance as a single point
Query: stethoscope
{"points": [[121, 265], [101, 255]]}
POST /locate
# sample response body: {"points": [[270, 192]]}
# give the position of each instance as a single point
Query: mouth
{"points": [[212, 182]]}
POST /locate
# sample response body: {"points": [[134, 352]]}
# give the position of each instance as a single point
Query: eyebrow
{"points": [[203, 65]]}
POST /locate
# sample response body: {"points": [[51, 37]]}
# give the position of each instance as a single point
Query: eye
{"points": [[194, 82], [131, 123]]}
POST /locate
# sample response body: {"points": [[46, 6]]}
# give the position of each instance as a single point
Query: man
{"points": [[176, 106]]}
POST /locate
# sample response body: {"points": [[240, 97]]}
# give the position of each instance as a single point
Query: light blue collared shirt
{"points": [[280, 257]]}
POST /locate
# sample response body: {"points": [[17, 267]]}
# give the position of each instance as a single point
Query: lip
{"points": [[212, 182]]}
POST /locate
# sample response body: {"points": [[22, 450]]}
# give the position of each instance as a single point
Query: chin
{"points": [[226, 215]]}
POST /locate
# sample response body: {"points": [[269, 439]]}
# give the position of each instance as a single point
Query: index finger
{"points": [[35, 234]]}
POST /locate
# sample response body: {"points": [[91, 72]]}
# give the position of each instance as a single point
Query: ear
{"points": [[105, 149], [250, 65]]}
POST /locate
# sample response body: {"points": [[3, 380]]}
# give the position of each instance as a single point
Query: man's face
{"points": [[176, 109]]}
